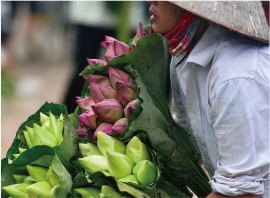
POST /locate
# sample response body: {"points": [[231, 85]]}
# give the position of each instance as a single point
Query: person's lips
{"points": [[153, 17]]}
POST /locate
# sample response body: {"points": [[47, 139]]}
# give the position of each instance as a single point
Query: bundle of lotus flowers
{"points": [[121, 141], [112, 103]]}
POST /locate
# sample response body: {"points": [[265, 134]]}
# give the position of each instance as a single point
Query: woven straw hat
{"points": [[245, 17]]}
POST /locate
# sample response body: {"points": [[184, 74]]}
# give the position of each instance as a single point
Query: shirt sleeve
{"points": [[240, 118]]}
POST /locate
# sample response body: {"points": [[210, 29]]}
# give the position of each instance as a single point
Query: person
{"points": [[220, 88]]}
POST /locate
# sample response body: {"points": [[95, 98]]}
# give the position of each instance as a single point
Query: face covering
{"points": [[180, 37]]}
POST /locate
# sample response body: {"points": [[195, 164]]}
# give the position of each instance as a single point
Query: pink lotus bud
{"points": [[85, 104], [120, 126], [125, 92], [81, 125], [114, 47], [82, 132], [100, 92], [105, 127], [78, 98], [140, 33], [117, 75], [88, 119], [102, 80], [130, 108], [108, 110], [109, 58], [96, 61]]}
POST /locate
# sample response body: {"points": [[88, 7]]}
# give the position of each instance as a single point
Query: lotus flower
{"points": [[39, 189], [17, 190], [125, 92], [102, 80], [24, 179], [108, 191], [114, 47], [119, 165], [107, 143], [52, 177], [105, 127], [88, 119], [108, 110], [100, 92], [89, 192], [85, 104], [96, 61], [129, 179], [117, 75], [145, 172], [140, 33], [94, 163], [37, 172], [89, 149], [130, 108], [82, 130], [137, 150], [49, 133], [120, 126]]}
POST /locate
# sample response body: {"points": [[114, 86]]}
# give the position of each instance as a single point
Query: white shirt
{"points": [[221, 95]]}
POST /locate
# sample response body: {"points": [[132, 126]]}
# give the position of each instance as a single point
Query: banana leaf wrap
{"points": [[65, 149], [18, 167], [147, 63]]}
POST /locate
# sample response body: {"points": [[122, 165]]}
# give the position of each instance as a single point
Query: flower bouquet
{"points": [[121, 141]]}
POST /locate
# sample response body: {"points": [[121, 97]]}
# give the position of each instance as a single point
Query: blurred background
{"points": [[44, 46]]}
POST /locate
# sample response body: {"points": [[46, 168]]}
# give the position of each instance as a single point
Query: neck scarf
{"points": [[180, 37]]}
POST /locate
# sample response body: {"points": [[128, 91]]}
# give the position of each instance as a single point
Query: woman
{"points": [[220, 86]]}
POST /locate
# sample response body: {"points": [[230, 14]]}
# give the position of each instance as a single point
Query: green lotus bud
{"points": [[24, 179], [17, 190], [43, 137], [57, 126], [129, 179], [89, 192], [39, 189], [119, 165], [16, 156], [137, 150], [94, 163], [29, 137], [108, 191], [89, 149], [52, 177], [107, 143], [21, 150], [37, 172], [145, 172]]}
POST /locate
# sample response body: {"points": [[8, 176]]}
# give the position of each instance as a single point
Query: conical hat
{"points": [[245, 17]]}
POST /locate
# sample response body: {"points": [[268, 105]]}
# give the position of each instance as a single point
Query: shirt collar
{"points": [[205, 49]]}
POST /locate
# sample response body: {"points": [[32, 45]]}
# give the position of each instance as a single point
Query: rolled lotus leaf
{"points": [[119, 165], [37, 172], [129, 179], [89, 192], [94, 163], [39, 189], [89, 149], [17, 190], [145, 172], [107, 143], [52, 177], [137, 150], [108, 191]]}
